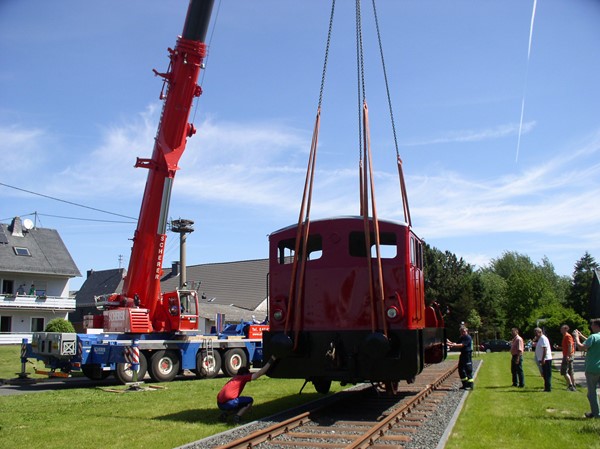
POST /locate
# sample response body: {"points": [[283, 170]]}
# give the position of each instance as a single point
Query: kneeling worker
{"points": [[229, 399]]}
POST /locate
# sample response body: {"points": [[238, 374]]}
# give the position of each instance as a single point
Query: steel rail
{"points": [[364, 440]]}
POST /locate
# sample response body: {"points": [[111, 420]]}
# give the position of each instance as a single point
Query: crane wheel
{"points": [[125, 374], [164, 366], [208, 364]]}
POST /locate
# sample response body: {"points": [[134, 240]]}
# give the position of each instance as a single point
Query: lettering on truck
{"points": [[159, 257]]}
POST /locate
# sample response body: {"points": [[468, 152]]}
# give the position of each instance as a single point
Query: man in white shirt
{"points": [[543, 356]]}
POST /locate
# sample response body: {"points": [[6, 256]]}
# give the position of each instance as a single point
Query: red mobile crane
{"points": [[163, 326], [141, 307]]}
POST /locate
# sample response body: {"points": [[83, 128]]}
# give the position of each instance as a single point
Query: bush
{"points": [[59, 325]]}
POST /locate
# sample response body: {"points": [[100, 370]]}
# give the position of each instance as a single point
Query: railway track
{"points": [[357, 419]]}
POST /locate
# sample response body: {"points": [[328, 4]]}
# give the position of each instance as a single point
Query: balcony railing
{"points": [[34, 302]]}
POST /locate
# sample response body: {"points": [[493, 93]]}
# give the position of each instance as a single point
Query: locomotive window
{"points": [[387, 245], [286, 249], [413, 256]]}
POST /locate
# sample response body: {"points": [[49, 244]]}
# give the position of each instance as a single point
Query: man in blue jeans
{"points": [[543, 355], [229, 399], [592, 364]]}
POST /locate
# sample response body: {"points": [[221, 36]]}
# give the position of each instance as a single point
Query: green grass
{"points": [[183, 412], [10, 362], [497, 415]]}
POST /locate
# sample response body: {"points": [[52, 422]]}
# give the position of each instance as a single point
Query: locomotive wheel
{"points": [[125, 374], [234, 360], [94, 372], [322, 385], [208, 366], [164, 366]]}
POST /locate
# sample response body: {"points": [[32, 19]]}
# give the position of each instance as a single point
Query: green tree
{"points": [[490, 298], [552, 317], [448, 282], [59, 325], [529, 287], [581, 285]]}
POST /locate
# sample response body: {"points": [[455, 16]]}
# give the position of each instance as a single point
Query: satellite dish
{"points": [[28, 224]]}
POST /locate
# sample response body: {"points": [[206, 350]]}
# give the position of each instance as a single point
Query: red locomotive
{"points": [[346, 295], [332, 330]]}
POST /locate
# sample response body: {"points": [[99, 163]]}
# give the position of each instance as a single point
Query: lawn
{"points": [[497, 415], [183, 412]]}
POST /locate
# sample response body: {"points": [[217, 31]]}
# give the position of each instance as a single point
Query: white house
{"points": [[35, 269]]}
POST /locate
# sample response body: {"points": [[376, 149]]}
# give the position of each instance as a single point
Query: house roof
{"points": [[242, 283], [98, 283], [34, 251]]}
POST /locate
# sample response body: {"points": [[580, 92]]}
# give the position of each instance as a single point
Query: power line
{"points": [[67, 202]]}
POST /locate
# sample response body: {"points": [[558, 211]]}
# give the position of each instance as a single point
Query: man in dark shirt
{"points": [[465, 361]]}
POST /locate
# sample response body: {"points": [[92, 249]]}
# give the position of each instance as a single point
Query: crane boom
{"points": [[141, 307]]}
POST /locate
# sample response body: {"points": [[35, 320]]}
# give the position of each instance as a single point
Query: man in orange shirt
{"points": [[568, 351]]}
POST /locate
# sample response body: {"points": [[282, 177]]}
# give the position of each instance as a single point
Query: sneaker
{"points": [[237, 419], [591, 415], [572, 388], [223, 417]]}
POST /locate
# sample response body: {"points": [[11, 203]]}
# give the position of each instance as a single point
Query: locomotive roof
{"points": [[341, 217]]}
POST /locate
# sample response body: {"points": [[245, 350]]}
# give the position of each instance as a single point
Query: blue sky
{"points": [[79, 102]]}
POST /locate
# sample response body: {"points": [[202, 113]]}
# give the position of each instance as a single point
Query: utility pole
{"points": [[183, 227]]}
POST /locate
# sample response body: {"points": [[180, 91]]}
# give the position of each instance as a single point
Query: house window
{"points": [[20, 251], [7, 286], [5, 324], [37, 324]]}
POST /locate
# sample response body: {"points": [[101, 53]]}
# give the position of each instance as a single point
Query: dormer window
{"points": [[20, 251]]}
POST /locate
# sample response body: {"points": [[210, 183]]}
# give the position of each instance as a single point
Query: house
{"points": [[97, 283], [35, 269], [239, 290], [235, 290], [595, 295]]}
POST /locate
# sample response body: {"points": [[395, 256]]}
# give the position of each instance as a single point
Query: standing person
{"points": [[568, 352], [592, 364], [516, 363], [229, 399], [465, 361], [543, 355], [32, 290]]}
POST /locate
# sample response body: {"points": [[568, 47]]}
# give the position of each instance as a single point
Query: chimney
{"points": [[16, 227], [175, 268], [89, 273]]}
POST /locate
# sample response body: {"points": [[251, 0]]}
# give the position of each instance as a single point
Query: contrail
{"points": [[526, 76]]}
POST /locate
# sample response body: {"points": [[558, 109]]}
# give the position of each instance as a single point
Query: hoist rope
{"points": [[367, 183], [302, 231], [405, 207]]}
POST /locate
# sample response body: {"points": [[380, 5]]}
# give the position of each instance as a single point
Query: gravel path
{"points": [[431, 435]]}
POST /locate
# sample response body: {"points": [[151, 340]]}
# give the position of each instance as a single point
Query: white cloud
{"points": [[476, 135]]}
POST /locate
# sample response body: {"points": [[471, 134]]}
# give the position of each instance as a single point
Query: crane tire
{"points": [[125, 374], [164, 366], [208, 365], [234, 359], [94, 372]]}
